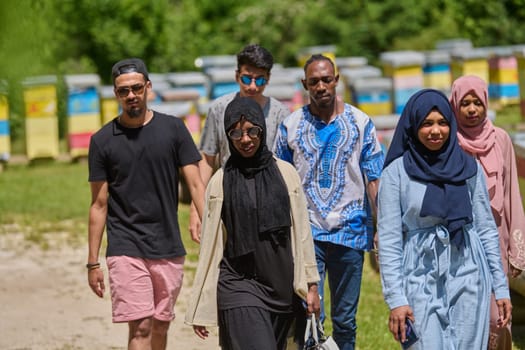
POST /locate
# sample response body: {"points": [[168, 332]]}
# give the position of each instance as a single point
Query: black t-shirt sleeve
{"points": [[97, 171]]}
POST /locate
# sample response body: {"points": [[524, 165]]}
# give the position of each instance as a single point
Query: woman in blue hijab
{"points": [[438, 244]]}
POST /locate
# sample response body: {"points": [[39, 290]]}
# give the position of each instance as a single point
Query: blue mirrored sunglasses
{"points": [[259, 81]]}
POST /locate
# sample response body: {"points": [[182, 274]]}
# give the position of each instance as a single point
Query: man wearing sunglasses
{"points": [[134, 163], [254, 64], [334, 147]]}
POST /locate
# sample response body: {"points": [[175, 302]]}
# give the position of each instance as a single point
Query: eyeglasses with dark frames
{"points": [[236, 134], [259, 81], [123, 91]]}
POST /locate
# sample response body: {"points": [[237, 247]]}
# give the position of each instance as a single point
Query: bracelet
{"points": [[92, 266]]}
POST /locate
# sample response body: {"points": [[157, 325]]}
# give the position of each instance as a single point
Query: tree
{"points": [[26, 41], [106, 31], [88, 36]]}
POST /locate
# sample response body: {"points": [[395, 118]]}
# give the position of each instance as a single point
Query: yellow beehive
{"points": [[40, 99]]}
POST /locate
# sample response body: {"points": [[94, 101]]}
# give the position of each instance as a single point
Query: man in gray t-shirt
{"points": [[254, 64]]}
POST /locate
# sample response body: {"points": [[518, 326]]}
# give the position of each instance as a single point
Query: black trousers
{"points": [[253, 328]]}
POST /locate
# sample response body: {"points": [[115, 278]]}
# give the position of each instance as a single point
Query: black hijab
{"points": [[244, 216], [445, 171]]}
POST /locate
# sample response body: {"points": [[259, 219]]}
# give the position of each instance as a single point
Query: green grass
{"points": [[47, 198], [44, 198], [372, 314], [49, 192], [509, 117]]}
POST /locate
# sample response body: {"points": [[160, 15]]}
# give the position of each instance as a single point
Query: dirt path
{"points": [[45, 303]]}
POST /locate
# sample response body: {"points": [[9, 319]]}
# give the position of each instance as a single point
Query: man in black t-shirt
{"points": [[134, 163]]}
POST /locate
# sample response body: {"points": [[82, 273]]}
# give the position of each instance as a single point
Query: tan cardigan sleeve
{"points": [[202, 306]]}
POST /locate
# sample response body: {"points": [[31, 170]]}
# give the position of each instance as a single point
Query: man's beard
{"points": [[135, 112]]}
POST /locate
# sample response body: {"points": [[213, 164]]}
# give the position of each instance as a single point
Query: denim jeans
{"points": [[344, 266]]}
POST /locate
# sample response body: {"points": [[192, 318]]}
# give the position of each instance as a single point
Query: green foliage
{"points": [[41, 37], [90, 35], [26, 44], [110, 30], [491, 22]]}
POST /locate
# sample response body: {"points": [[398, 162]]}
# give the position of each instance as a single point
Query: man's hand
{"points": [[195, 224], [96, 281]]}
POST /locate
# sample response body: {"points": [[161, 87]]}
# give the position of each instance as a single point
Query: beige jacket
{"points": [[202, 307]]}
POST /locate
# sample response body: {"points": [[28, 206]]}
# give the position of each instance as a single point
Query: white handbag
{"points": [[314, 337]]}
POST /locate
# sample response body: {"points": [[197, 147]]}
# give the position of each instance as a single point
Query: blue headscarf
{"points": [[445, 171]]}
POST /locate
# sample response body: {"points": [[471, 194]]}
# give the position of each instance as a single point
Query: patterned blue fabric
{"points": [[335, 161]]}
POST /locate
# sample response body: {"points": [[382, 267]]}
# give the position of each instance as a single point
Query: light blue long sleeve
{"points": [[448, 287]]}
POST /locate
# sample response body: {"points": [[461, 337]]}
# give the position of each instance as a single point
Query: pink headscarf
{"points": [[480, 140]]}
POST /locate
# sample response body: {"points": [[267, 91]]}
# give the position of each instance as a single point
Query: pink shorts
{"points": [[142, 288]]}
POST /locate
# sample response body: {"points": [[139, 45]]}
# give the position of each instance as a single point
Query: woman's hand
{"points": [[514, 272], [313, 301], [505, 312], [201, 331], [396, 321]]}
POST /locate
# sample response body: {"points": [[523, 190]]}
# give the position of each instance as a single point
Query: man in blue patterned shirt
{"points": [[334, 147]]}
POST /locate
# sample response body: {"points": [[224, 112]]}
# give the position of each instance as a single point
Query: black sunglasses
{"points": [[236, 134]]}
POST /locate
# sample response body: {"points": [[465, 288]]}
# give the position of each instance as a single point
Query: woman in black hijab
{"points": [[266, 263]]}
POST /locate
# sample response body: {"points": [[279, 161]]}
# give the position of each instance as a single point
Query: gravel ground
{"points": [[46, 303]]}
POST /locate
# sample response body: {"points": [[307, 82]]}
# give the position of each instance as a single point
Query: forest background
{"points": [[59, 37]]}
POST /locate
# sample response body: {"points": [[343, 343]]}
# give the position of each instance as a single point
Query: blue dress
{"points": [[447, 286]]}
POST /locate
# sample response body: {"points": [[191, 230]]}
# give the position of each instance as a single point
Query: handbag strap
{"points": [[311, 329]]}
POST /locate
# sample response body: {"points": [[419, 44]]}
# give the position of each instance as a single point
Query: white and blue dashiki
{"points": [[448, 287], [334, 161]]}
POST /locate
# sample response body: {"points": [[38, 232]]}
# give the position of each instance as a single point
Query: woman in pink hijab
{"points": [[492, 147]]}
